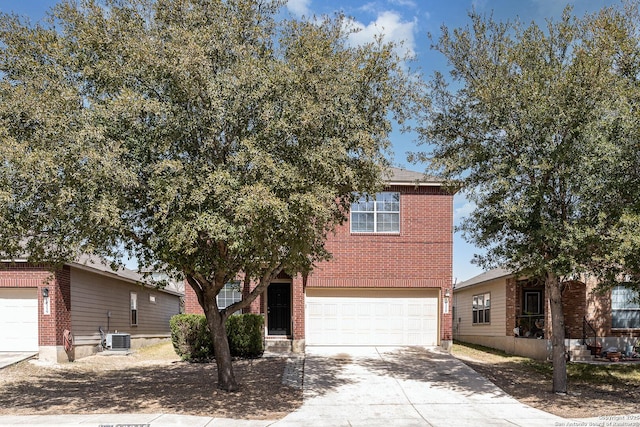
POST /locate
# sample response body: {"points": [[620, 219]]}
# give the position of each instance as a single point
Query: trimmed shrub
{"points": [[192, 341], [245, 332], [190, 337]]}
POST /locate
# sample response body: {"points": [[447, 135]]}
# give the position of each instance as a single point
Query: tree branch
{"points": [[265, 281]]}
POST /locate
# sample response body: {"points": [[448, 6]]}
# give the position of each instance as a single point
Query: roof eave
{"points": [[112, 274], [482, 281], [120, 277], [414, 183]]}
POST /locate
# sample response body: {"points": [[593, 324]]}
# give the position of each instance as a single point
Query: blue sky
{"points": [[408, 21]]}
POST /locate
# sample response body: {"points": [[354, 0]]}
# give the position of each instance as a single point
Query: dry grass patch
{"points": [[151, 380], [594, 389]]}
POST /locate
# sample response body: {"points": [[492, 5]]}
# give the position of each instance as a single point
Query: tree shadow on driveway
{"points": [[440, 370], [322, 374], [177, 387]]}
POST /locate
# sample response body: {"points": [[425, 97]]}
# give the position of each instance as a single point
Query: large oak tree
{"points": [[206, 137], [540, 126]]}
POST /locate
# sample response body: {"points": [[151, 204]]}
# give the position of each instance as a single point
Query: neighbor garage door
{"points": [[371, 317], [18, 319]]}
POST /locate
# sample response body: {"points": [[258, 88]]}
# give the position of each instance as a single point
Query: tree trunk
{"points": [[207, 293], [215, 320], [554, 295]]}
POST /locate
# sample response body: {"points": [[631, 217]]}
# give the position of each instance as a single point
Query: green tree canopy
{"points": [[210, 138], [539, 126]]}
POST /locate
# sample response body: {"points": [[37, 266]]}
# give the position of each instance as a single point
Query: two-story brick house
{"points": [[388, 283]]}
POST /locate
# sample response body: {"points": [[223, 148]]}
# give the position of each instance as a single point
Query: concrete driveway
{"points": [[8, 358], [411, 386], [364, 386]]}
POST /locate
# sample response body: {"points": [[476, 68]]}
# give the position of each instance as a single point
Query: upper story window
{"points": [[625, 308], [377, 214]]}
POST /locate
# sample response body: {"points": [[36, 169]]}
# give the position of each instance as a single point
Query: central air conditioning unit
{"points": [[118, 341]]}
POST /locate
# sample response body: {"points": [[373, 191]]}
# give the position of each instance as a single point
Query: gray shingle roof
{"points": [[101, 266], [484, 277], [98, 265], [404, 176]]}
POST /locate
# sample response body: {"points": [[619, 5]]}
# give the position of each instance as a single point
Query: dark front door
{"points": [[279, 309]]}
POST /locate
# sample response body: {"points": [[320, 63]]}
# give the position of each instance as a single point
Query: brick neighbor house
{"points": [[38, 305], [500, 310], [389, 281]]}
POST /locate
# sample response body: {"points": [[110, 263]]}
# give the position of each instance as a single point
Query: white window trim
{"points": [[375, 215], [233, 287], [486, 296], [621, 309], [133, 301]]}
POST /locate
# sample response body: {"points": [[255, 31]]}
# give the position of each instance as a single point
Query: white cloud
{"points": [[404, 3], [391, 26], [299, 7], [462, 210]]}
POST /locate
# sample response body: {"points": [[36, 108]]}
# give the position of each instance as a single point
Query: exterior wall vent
{"points": [[118, 341]]}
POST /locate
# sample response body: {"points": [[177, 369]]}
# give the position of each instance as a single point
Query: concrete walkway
{"points": [[8, 358], [369, 386]]}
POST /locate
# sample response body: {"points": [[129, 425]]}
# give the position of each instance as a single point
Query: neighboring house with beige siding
{"points": [[40, 309], [480, 310], [499, 310]]}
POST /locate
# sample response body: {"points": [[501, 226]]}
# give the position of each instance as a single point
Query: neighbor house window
{"points": [[229, 294], [625, 308], [482, 308], [376, 214], [134, 309], [533, 302]]}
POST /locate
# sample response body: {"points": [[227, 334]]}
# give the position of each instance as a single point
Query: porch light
{"points": [[46, 305], [447, 294]]}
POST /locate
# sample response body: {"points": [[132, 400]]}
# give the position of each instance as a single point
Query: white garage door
{"points": [[371, 317], [19, 319]]}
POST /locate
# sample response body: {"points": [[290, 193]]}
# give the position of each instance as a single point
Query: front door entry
{"points": [[279, 309]]}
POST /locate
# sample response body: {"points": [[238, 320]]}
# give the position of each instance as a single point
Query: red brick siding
{"points": [[420, 256], [51, 326], [574, 308], [297, 309], [599, 314], [191, 304]]}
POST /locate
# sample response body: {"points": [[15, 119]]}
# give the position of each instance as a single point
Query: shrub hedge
{"points": [[192, 341], [190, 336], [245, 335]]}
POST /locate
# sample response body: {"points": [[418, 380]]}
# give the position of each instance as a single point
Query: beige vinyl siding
{"points": [[463, 303], [94, 295]]}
